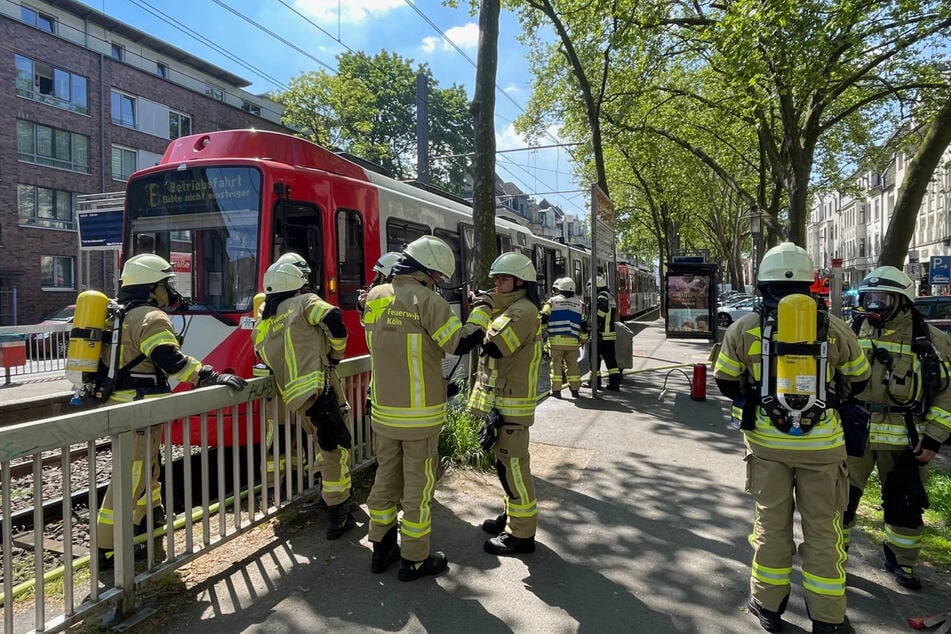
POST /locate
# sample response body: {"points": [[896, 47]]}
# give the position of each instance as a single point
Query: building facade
{"points": [[88, 101], [853, 227]]}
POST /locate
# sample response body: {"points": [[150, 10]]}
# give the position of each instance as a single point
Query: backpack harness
{"points": [[787, 419]]}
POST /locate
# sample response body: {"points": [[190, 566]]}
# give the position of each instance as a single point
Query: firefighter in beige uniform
{"points": [[793, 468], [301, 338], [409, 328], [148, 354], [507, 380], [910, 406]]}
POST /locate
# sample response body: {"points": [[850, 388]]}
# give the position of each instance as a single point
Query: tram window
{"points": [[297, 230], [350, 269], [399, 233], [505, 243], [454, 291]]}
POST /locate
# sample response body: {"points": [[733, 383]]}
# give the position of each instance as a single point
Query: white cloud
{"points": [[465, 37], [511, 89], [348, 11], [507, 138]]}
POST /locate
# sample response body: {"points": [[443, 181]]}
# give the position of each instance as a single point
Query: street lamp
{"points": [[756, 230]]}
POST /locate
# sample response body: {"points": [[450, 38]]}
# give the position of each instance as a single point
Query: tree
{"points": [[369, 109]]}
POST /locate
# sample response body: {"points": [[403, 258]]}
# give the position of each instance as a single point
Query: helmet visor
{"points": [[878, 302]]}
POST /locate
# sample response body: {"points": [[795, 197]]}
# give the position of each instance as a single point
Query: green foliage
{"points": [[936, 542], [459, 441], [369, 109]]}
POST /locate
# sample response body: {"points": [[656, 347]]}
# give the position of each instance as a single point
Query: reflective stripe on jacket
{"points": [[888, 429], [740, 360], [409, 329], [295, 343], [607, 315], [510, 383]]}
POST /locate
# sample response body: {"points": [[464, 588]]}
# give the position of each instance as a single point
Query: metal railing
{"points": [[213, 492], [46, 348]]}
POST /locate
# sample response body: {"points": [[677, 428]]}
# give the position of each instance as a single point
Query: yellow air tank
{"points": [[85, 342], [796, 375], [256, 305]]}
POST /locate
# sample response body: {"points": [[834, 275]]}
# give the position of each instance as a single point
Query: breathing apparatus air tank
{"points": [[256, 305], [796, 373], [85, 341]]}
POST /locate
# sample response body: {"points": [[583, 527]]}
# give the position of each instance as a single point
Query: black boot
{"points": [[385, 552], [614, 383], [506, 544], [495, 526], [340, 518], [905, 576], [821, 627], [432, 565], [768, 620]]}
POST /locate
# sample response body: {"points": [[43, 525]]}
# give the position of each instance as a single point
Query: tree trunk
{"points": [[901, 225], [483, 168]]}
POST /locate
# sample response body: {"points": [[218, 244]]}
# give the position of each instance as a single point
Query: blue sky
{"points": [[335, 26]]}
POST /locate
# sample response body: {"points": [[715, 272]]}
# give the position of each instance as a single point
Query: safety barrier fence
{"points": [[213, 491], [40, 349]]}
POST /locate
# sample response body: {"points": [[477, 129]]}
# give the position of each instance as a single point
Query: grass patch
{"points": [[936, 541], [459, 441]]}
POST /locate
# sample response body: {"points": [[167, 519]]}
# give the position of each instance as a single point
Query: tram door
{"points": [[544, 261], [297, 228]]}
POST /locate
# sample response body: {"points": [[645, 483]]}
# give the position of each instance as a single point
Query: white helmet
{"points": [[565, 284], [601, 282], [786, 262], [888, 279], [282, 277], [292, 258], [433, 254], [145, 268], [384, 266], [514, 264]]}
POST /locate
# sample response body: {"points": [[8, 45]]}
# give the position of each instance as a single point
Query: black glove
{"points": [[332, 362], [332, 430], [482, 298], [207, 376]]}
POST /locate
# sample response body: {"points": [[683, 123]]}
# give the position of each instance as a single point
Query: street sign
{"points": [[940, 270], [837, 263]]}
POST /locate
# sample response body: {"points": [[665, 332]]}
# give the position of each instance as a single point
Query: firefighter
{"points": [[148, 355], [383, 270], [302, 338], [607, 336], [910, 412], [562, 324], [409, 328], [791, 466], [507, 381]]}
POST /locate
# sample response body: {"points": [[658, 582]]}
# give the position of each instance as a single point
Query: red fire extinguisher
{"points": [[698, 390]]}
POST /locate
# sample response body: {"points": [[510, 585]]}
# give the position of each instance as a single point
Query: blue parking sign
{"points": [[940, 270]]}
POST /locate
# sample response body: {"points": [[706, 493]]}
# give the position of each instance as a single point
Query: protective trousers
{"points": [[565, 360], [606, 353], [145, 490], [406, 470], [819, 492], [514, 468], [904, 541], [334, 464]]}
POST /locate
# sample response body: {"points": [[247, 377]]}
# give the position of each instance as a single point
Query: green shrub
{"points": [[459, 440]]}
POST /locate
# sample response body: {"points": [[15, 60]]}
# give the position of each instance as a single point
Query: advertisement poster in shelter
{"points": [[690, 302]]}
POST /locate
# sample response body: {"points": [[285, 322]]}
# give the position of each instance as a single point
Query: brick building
{"points": [[87, 101]]}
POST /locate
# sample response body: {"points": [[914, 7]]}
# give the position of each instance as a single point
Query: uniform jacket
{"points": [[296, 343], [145, 328], [607, 315], [888, 429], [565, 316], [409, 327], [740, 360], [510, 383]]}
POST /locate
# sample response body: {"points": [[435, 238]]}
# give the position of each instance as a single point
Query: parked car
{"points": [[934, 306], [734, 300], [726, 315], [51, 345]]}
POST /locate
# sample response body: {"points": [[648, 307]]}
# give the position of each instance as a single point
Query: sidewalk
{"points": [[643, 525]]}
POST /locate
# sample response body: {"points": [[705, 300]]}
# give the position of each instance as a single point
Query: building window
{"points": [[123, 163], [161, 70], [51, 146], [56, 272], [42, 82], [123, 109], [214, 92], [118, 51], [42, 207], [178, 125], [253, 108], [39, 20]]}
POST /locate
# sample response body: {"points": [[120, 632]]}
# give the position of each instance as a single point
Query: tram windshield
{"points": [[204, 220]]}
